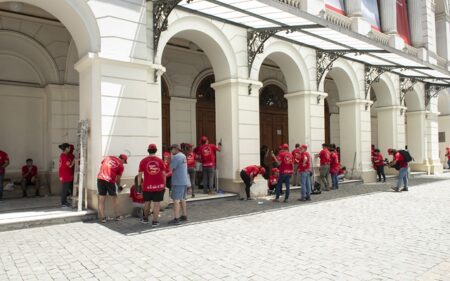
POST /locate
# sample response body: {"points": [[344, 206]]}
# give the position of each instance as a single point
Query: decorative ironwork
{"points": [[161, 12], [272, 98], [205, 93], [256, 39], [324, 63], [406, 84], [432, 91], [373, 74]]}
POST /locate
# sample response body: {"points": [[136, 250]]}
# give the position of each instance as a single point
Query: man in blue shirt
{"points": [[180, 184]]}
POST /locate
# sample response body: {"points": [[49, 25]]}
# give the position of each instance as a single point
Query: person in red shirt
{"points": [[207, 154], [152, 180], [296, 154], [334, 168], [4, 162], [378, 162], [400, 161], [304, 169], [285, 162], [273, 180], [137, 199], [447, 154], [166, 159], [66, 165], [108, 179], [248, 175], [191, 164], [29, 177], [324, 169]]}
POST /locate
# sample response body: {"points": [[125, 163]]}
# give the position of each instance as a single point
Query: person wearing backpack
{"points": [[402, 163]]}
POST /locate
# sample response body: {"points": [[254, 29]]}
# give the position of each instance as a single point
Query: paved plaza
{"points": [[361, 232]]}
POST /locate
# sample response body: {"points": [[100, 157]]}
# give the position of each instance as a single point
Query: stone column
{"points": [[355, 136], [416, 139], [389, 132], [306, 119], [415, 22], [353, 8], [237, 124], [388, 15], [432, 133], [122, 101]]}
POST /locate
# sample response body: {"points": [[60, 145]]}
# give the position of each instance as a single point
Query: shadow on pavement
{"points": [[207, 211]]}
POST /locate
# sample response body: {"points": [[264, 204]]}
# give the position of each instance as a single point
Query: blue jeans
{"points": [[208, 178], [448, 164], [286, 179], [306, 184], [2, 176], [334, 180], [402, 176]]}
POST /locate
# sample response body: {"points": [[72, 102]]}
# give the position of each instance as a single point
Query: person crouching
{"points": [[248, 175]]}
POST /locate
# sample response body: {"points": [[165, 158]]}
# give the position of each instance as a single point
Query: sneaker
{"points": [[301, 199], [394, 188], [285, 201], [66, 205], [174, 222], [308, 198], [103, 220], [404, 189], [249, 199], [155, 223], [118, 218], [183, 218], [144, 220], [276, 200]]}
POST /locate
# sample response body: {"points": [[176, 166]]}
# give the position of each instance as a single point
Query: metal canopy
{"points": [[266, 18]]}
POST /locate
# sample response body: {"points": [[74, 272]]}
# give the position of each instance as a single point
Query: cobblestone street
{"points": [[360, 232]]}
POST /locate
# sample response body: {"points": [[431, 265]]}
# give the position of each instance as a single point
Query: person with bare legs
{"points": [[180, 183]]}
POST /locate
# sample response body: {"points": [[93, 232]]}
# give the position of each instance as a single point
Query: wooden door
{"points": [[327, 123], [165, 112], [206, 109], [273, 114]]}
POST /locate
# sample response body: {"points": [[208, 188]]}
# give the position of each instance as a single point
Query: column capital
{"points": [[245, 82], [305, 94], [391, 107], [416, 113], [355, 102]]}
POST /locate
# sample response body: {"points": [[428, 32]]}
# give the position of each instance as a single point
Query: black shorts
{"points": [[105, 187], [156, 196]]}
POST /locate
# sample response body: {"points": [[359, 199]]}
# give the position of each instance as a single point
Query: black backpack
{"points": [[406, 155]]}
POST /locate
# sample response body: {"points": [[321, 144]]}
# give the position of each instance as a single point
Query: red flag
{"points": [[402, 21]]}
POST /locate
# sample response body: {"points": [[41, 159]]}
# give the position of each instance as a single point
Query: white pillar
{"points": [[416, 139], [237, 124], [306, 119], [432, 132], [355, 136], [416, 23], [353, 8], [388, 16], [389, 130], [122, 102]]}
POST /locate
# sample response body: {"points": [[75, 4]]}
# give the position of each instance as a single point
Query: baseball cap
{"points": [[152, 146], [304, 146], [285, 146], [124, 158], [204, 138]]}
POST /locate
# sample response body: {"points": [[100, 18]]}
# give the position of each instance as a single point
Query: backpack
{"points": [[406, 155]]}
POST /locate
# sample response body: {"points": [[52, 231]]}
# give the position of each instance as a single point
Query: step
{"points": [[42, 217]]}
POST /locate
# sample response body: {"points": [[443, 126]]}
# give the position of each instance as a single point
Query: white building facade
{"points": [[313, 74]]}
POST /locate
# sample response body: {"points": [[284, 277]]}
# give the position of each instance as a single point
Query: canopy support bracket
{"points": [[406, 85], [372, 75], [432, 91]]}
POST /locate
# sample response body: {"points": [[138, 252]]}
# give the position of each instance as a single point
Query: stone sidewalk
{"points": [[361, 232]]}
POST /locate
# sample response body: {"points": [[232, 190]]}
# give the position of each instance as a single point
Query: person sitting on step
{"points": [[30, 177]]}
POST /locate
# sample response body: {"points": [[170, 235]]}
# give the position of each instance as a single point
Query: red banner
{"points": [[335, 5], [402, 21]]}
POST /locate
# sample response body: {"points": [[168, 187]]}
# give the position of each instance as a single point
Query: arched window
{"points": [[272, 98]]}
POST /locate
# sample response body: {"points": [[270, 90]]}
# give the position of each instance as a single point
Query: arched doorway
{"points": [[206, 109], [273, 116], [165, 113]]}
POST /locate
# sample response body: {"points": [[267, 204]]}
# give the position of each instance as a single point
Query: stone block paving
{"points": [[360, 232]]}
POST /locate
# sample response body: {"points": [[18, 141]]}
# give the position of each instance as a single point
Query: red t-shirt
{"points": [[448, 155], [65, 171], [166, 159], [33, 172], [208, 155], [400, 160], [110, 168], [3, 158], [306, 166], [324, 156], [297, 154], [190, 158], [273, 180], [378, 160], [252, 171], [136, 197], [153, 168], [334, 163], [286, 163]]}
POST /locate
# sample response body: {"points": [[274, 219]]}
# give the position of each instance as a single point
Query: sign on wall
{"points": [[335, 5], [402, 21], [370, 13]]}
